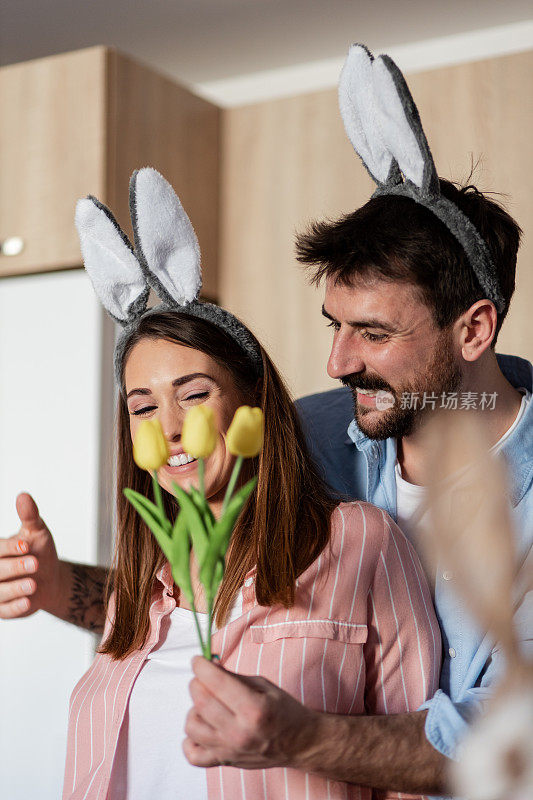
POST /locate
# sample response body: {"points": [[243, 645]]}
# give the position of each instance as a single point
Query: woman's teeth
{"points": [[180, 460]]}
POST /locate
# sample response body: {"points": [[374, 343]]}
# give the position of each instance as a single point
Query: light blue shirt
{"points": [[358, 467]]}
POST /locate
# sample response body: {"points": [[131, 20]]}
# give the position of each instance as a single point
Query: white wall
{"points": [[412, 56], [52, 332]]}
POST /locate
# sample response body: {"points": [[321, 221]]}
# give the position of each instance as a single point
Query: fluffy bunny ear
{"points": [[400, 126], [165, 241], [359, 114], [110, 261]]}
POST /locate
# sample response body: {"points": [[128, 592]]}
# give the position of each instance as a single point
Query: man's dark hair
{"points": [[395, 239]]}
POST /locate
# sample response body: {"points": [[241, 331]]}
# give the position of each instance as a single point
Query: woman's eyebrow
{"points": [[176, 382]]}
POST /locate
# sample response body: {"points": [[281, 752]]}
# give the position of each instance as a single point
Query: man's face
{"points": [[387, 348]]}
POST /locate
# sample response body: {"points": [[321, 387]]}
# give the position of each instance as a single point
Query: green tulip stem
{"points": [[209, 629], [157, 493], [232, 482], [201, 477], [199, 630]]}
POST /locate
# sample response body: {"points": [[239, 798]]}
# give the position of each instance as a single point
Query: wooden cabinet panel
{"points": [[79, 124], [52, 151], [153, 121], [286, 162]]}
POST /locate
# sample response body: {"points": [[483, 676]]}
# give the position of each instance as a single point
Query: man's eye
{"points": [[373, 337], [335, 325], [144, 410]]}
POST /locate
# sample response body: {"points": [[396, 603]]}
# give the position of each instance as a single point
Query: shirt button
{"points": [[452, 652], [447, 575]]}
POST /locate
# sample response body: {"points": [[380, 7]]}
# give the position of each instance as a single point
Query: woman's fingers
{"points": [[16, 608], [28, 513], [15, 584], [18, 567], [15, 545], [15, 567], [17, 564], [29, 555], [13, 590]]}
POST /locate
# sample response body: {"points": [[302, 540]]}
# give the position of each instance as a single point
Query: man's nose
{"points": [[344, 358]]}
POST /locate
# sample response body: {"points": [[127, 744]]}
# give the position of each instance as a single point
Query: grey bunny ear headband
{"points": [[383, 125], [166, 258]]}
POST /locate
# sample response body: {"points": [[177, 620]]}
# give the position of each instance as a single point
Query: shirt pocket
{"points": [[336, 630], [319, 661]]}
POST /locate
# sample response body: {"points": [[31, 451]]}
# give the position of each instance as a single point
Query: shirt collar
{"points": [[164, 576], [517, 453], [358, 438]]}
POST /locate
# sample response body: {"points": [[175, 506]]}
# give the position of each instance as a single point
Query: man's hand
{"points": [[245, 721], [250, 723], [30, 572]]}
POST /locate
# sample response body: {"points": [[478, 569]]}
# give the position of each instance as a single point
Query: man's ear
{"points": [[477, 328]]}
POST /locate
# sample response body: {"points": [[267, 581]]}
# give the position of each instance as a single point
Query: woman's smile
{"points": [[180, 464]]}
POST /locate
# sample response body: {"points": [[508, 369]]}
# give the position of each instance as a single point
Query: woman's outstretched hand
{"points": [[30, 571]]}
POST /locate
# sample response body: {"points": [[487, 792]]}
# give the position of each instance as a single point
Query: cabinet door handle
{"points": [[12, 246]]}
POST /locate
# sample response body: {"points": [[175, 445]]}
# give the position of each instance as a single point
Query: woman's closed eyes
{"points": [[191, 398]]}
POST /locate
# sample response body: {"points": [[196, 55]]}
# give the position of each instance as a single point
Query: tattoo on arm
{"points": [[86, 598]]}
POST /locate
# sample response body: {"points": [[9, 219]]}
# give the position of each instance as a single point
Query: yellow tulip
{"points": [[245, 434], [150, 447], [199, 433]]}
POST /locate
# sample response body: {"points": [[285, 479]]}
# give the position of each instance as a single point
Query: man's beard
{"points": [[440, 375]]}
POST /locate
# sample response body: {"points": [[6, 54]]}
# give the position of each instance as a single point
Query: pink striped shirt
{"points": [[361, 638]]}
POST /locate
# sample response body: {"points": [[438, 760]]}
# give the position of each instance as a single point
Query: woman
{"points": [[327, 600]]}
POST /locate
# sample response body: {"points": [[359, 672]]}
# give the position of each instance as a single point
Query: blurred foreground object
{"points": [[470, 533]]}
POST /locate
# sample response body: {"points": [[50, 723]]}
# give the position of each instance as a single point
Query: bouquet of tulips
{"points": [[195, 526]]}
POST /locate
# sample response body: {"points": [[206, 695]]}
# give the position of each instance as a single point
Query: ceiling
{"points": [[197, 41]]}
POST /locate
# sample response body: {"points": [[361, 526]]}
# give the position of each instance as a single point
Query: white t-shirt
{"points": [[409, 496], [149, 762]]}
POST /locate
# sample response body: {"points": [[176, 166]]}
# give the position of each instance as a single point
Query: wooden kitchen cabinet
{"points": [[80, 123]]}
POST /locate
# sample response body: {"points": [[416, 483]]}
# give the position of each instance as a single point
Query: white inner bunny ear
{"points": [[359, 113], [164, 238], [112, 266], [400, 124]]}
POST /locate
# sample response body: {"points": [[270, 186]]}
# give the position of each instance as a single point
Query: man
{"points": [[411, 332]]}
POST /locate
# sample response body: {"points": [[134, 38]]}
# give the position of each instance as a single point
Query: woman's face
{"points": [[163, 380]]}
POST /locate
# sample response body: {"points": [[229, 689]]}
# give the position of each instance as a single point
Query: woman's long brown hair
{"points": [[282, 529]]}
